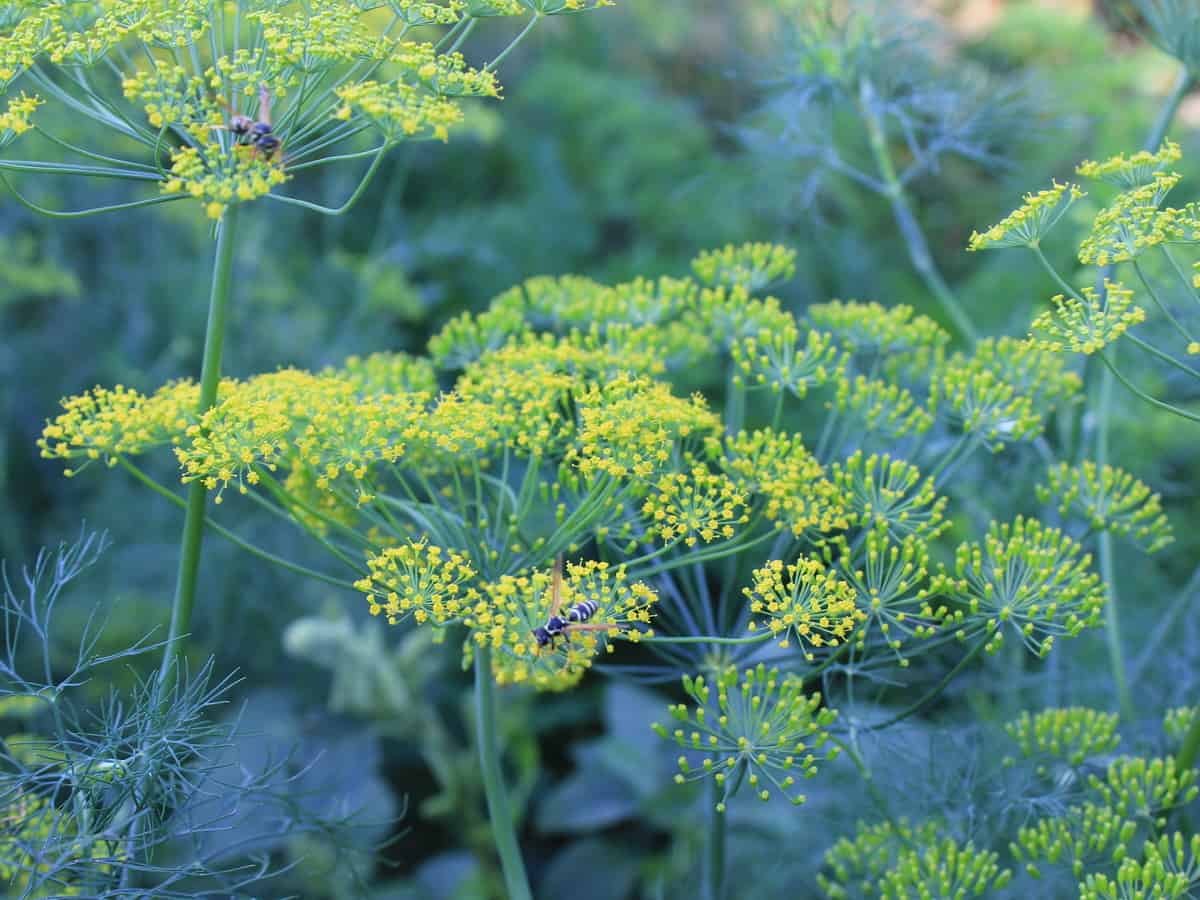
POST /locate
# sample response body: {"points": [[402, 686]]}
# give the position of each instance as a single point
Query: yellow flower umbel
{"points": [[750, 266], [889, 339], [777, 361], [15, 120], [805, 600], [762, 731], [511, 609], [1132, 224], [697, 505], [1133, 171], [1072, 735], [1109, 499], [1087, 324], [1026, 577], [944, 871], [777, 467], [880, 491], [890, 581], [1031, 221], [237, 96], [418, 580], [855, 865]]}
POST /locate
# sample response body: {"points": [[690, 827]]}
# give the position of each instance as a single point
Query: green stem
{"points": [[1191, 746], [232, 537], [1112, 623], [934, 691], [499, 812], [714, 860], [210, 377], [910, 230]]}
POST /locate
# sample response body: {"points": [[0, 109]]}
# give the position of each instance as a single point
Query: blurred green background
{"points": [[627, 142]]}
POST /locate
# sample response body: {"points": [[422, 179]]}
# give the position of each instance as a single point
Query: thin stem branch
{"points": [[210, 376], [499, 811], [934, 691], [910, 230], [714, 859]]}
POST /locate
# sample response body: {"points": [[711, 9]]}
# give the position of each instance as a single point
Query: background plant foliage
{"points": [[630, 146]]}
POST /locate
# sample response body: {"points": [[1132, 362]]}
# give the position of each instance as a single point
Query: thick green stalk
{"points": [[499, 811], [1103, 414], [210, 377], [714, 860], [910, 230]]}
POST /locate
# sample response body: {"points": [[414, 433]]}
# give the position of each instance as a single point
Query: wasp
{"points": [[256, 133], [574, 617]]}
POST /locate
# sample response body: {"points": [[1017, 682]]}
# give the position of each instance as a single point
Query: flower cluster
{"points": [[890, 579], [1134, 171], [416, 579], [1027, 577], [778, 362], [1073, 735], [874, 850], [944, 870], [695, 505], [1089, 322], [14, 121], [510, 610], [752, 266], [762, 730], [1109, 499], [805, 600], [778, 467], [1030, 222], [230, 101], [881, 491], [1134, 222]]}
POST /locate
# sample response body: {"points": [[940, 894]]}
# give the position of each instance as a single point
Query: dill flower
{"points": [[226, 121], [1135, 879], [777, 361], [806, 600], [106, 423], [858, 863], [1087, 325], [891, 336], [390, 373], [696, 505], [417, 579], [632, 426], [1137, 170], [890, 580], [14, 121], [510, 609], [882, 491], [944, 870], [1031, 221], [1109, 499], [732, 314], [762, 730], [1073, 735], [750, 266], [467, 337], [982, 403], [1042, 376], [778, 467], [1178, 721], [1077, 837], [886, 411], [1028, 577], [1145, 789], [1176, 853], [1132, 224]]}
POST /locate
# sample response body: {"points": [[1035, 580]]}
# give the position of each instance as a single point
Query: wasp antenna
{"points": [[556, 586]]}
